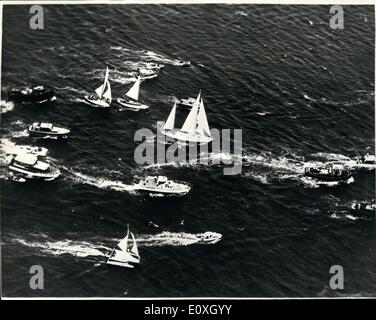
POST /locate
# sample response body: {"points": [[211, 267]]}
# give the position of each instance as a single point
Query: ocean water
{"points": [[300, 91]]}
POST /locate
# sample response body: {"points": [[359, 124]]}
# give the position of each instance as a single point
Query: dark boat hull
{"points": [[35, 96]]}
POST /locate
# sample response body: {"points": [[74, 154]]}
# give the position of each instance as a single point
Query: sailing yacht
{"points": [[103, 95], [130, 100], [126, 256], [195, 128]]}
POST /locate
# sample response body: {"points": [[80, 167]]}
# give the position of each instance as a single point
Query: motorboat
{"points": [[182, 63], [195, 128], [367, 162], [162, 185], [28, 166], [328, 173], [130, 100], [146, 73], [125, 255], [38, 94], [363, 205], [102, 97], [44, 129], [188, 102], [210, 237]]}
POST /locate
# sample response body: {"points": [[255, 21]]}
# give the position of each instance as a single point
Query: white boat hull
{"points": [[120, 264], [186, 136], [34, 175], [133, 106], [161, 191], [99, 103]]}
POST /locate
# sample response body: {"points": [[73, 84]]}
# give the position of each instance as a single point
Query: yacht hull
{"points": [[186, 136], [132, 106], [98, 103]]}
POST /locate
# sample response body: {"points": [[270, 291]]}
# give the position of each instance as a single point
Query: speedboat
{"points": [[43, 129], [210, 237], [145, 73], [38, 94], [367, 161], [189, 102], [130, 101], [28, 166], [364, 205], [329, 173], [182, 63], [103, 96], [161, 185], [125, 256]]}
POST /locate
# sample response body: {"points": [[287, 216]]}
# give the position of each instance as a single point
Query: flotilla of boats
{"points": [[26, 164]]}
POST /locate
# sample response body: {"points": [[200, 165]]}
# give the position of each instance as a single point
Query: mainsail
{"points": [[108, 94], [134, 248], [100, 91], [123, 244], [170, 123], [133, 92], [191, 121], [202, 121]]}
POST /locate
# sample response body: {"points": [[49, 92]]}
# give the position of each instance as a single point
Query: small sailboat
{"points": [[126, 256], [195, 128], [130, 101], [103, 97]]}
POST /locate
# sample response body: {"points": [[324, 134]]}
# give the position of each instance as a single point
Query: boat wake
{"points": [[100, 183], [175, 239], [57, 248], [97, 248]]}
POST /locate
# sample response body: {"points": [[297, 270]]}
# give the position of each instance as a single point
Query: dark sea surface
{"points": [[300, 91]]}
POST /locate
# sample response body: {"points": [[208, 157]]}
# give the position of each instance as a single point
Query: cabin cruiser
{"points": [[329, 173], [43, 129], [102, 97], [161, 185], [210, 237], [189, 102], [37, 94], [125, 255], [130, 100], [28, 166]]}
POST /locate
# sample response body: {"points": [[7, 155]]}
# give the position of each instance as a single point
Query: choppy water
{"points": [[300, 91]]}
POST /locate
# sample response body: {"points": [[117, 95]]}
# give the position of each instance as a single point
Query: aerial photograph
{"points": [[187, 150]]}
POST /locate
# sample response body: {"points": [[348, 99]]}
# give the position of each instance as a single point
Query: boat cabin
{"points": [[41, 126]]}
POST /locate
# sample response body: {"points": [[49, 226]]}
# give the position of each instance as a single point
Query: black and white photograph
{"points": [[187, 149]]}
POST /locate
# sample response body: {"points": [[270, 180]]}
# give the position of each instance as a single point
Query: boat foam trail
{"points": [[74, 248], [101, 183], [86, 248]]}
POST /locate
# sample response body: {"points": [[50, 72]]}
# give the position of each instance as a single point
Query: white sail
{"points": [[202, 121], [191, 121], [170, 123], [108, 94], [123, 244], [134, 248], [100, 90], [134, 92]]}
